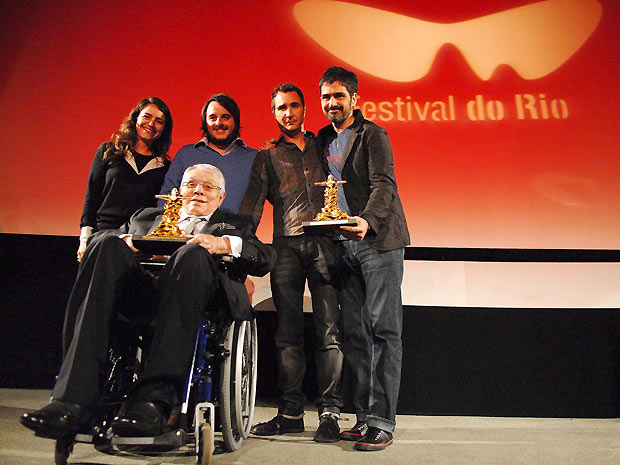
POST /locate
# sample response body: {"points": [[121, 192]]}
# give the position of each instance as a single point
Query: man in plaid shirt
{"points": [[285, 175]]}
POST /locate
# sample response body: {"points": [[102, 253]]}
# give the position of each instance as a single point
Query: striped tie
{"points": [[193, 225]]}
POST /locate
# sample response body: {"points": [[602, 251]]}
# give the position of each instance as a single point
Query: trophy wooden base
{"points": [[327, 227], [158, 245]]}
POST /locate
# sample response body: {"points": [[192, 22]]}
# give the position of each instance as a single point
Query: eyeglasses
{"points": [[193, 184]]}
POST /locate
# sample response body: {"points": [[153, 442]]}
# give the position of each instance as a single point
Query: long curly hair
{"points": [[126, 137]]}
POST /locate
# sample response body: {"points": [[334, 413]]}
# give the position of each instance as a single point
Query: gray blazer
{"points": [[371, 190]]}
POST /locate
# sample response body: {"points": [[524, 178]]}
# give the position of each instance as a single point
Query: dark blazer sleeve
{"points": [[256, 259], [380, 205], [380, 176], [140, 223]]}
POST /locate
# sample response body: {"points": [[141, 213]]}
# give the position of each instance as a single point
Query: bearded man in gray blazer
{"points": [[359, 152]]}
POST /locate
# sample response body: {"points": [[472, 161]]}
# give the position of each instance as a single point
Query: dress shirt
{"points": [[238, 142], [285, 176], [236, 243]]}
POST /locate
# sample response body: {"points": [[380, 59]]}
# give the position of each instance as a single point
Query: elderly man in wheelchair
{"points": [[111, 283]]}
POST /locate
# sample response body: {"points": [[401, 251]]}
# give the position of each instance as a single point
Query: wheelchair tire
{"points": [[246, 370], [238, 383], [206, 446]]}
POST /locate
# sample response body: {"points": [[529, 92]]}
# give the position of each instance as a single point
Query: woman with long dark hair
{"points": [[127, 172]]}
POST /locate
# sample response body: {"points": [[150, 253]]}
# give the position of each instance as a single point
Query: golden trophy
{"points": [[165, 238], [168, 226], [330, 218]]}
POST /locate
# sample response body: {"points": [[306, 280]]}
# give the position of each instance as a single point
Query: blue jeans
{"points": [[372, 313]]}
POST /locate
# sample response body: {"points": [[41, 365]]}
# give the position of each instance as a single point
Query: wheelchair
{"points": [[219, 393]]}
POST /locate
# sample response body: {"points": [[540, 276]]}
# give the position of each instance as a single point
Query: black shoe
{"points": [[328, 430], [57, 420], [356, 433], [140, 420], [279, 425], [374, 439]]}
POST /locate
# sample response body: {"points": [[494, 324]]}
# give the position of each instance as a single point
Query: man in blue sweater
{"points": [[220, 146]]}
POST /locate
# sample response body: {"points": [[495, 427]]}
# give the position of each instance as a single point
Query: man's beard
{"points": [[338, 118], [223, 142]]}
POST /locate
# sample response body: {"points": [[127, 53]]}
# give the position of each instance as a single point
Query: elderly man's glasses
{"points": [[193, 184]]}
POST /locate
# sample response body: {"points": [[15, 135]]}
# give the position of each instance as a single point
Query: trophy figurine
{"points": [[168, 226], [330, 211], [330, 218], [165, 238]]}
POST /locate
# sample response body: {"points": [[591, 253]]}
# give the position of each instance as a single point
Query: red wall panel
{"points": [[72, 71]]}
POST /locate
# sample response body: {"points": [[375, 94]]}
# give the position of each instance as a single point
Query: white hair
{"points": [[212, 170]]}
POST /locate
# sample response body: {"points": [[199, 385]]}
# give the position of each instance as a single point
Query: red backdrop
{"points": [[477, 175]]}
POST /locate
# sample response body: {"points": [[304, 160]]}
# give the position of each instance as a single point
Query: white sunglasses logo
{"points": [[534, 39]]}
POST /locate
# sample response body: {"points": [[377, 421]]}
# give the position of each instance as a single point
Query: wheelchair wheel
{"points": [[205, 451], [238, 383], [246, 372]]}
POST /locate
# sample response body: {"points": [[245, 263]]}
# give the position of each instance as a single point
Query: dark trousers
{"points": [[110, 281], [311, 259]]}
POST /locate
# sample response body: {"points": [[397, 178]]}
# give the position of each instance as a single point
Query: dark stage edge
{"points": [[456, 361]]}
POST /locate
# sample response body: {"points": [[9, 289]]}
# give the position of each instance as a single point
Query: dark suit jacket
{"points": [[371, 184], [256, 258]]}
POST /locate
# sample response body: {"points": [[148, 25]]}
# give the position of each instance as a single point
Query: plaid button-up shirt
{"points": [[285, 176]]}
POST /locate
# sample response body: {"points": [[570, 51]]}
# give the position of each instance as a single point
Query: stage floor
{"points": [[418, 440]]}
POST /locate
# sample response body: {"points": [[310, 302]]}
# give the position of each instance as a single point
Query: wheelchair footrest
{"points": [[174, 438], [84, 437]]}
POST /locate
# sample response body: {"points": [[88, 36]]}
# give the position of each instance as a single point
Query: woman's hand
{"points": [[81, 250]]}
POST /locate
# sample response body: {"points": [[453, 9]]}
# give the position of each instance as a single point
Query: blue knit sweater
{"points": [[236, 167]]}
